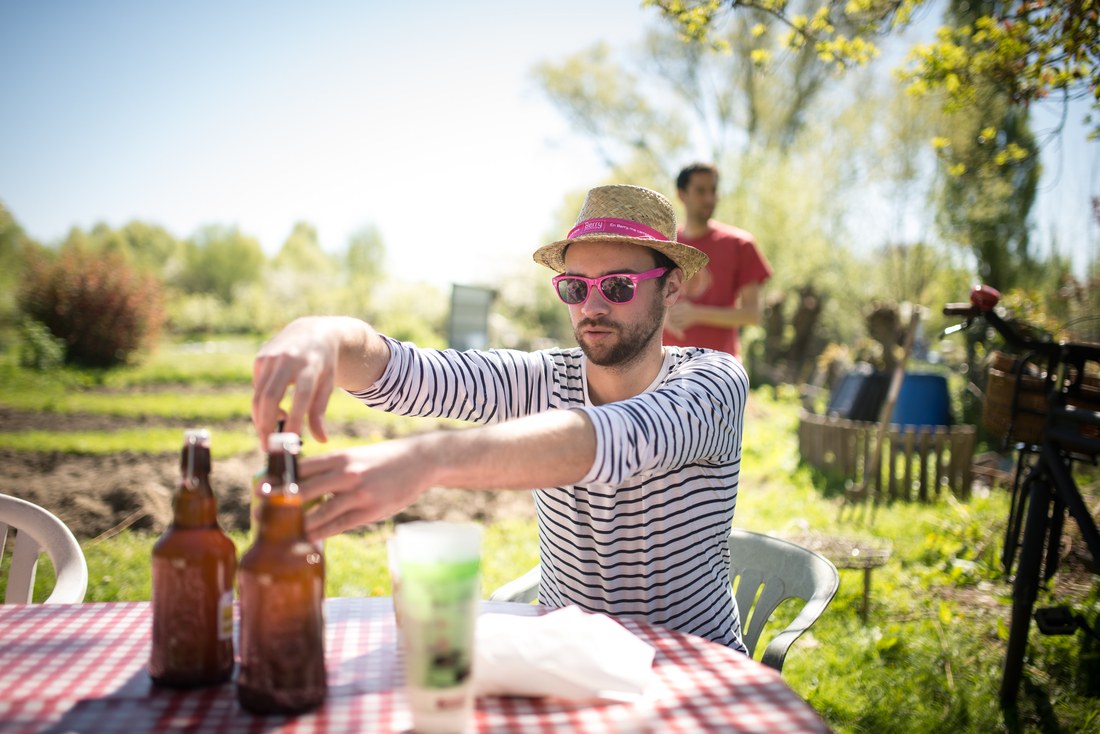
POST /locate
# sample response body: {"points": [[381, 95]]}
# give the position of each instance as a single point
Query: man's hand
{"points": [[304, 354], [315, 354], [364, 484], [679, 317]]}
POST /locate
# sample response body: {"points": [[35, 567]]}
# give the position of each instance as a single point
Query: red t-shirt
{"points": [[735, 262]]}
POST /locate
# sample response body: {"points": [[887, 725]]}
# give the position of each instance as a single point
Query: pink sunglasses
{"points": [[615, 288]]}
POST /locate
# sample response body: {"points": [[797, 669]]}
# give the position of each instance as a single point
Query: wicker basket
{"points": [[1015, 404]]}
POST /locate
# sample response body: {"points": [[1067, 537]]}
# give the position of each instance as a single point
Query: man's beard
{"points": [[630, 342]]}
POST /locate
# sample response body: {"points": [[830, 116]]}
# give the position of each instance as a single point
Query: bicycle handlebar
{"points": [[983, 300]]}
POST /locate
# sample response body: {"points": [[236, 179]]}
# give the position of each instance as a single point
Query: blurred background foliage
{"points": [[862, 195]]}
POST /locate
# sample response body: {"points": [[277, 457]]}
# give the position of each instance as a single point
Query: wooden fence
{"points": [[916, 462]]}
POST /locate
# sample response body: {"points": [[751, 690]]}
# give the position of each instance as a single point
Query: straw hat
{"points": [[629, 214]]}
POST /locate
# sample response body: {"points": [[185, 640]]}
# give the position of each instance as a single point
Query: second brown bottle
{"points": [[282, 582]]}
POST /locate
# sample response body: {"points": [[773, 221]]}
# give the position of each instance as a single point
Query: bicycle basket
{"points": [[1015, 405]]}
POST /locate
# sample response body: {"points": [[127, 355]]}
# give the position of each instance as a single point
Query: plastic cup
{"points": [[438, 567]]}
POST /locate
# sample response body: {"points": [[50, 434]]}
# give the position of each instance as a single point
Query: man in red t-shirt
{"points": [[725, 295]]}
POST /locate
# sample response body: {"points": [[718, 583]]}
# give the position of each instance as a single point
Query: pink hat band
{"points": [[607, 225]]}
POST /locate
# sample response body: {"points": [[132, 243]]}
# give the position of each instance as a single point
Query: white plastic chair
{"points": [[525, 589], [765, 571], [37, 530]]}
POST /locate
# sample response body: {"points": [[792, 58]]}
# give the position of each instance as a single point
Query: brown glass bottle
{"points": [[282, 587], [194, 565]]}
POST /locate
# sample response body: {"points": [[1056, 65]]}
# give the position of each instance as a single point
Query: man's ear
{"points": [[674, 286]]}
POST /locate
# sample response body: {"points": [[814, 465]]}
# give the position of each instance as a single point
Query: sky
{"points": [[421, 119]]}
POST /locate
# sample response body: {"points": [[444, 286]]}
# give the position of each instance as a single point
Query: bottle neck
{"points": [[194, 505], [281, 515]]}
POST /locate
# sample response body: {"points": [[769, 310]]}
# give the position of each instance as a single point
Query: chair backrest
{"points": [[766, 571], [524, 589], [37, 530]]}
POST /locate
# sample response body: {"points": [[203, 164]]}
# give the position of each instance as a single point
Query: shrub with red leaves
{"points": [[98, 305]]}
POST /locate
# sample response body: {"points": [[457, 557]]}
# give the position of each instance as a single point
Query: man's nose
{"points": [[596, 303]]}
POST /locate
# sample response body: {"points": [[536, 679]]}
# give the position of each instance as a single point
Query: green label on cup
{"points": [[438, 610]]}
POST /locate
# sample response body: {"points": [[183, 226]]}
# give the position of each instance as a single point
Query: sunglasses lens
{"points": [[617, 289], [572, 290]]}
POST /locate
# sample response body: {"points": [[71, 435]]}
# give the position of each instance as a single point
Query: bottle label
{"points": [[225, 615]]}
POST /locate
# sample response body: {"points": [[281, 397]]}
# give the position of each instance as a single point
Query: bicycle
{"points": [[1070, 433]]}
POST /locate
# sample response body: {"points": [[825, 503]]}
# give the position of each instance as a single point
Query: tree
{"points": [[145, 246], [747, 98], [990, 62], [992, 165], [218, 260], [987, 199], [602, 100], [302, 252], [730, 102], [15, 247], [1031, 50], [365, 259]]}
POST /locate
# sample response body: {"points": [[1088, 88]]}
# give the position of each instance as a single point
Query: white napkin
{"points": [[566, 654]]}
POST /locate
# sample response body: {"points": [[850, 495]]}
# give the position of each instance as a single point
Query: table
{"points": [[82, 668]]}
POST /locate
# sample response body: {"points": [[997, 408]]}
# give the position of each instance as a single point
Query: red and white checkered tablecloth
{"points": [[82, 668]]}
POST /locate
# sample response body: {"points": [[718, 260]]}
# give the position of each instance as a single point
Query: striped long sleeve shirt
{"points": [[644, 532]]}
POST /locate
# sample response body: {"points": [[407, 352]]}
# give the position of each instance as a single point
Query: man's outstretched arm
{"points": [[374, 482]]}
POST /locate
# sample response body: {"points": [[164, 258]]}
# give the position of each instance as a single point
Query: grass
{"points": [[179, 383], [201, 364], [119, 567], [928, 658], [151, 440]]}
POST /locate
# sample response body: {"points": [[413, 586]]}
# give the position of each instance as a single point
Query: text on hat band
{"points": [[615, 226]]}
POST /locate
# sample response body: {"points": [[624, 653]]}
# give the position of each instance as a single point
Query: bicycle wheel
{"points": [[1025, 587]]}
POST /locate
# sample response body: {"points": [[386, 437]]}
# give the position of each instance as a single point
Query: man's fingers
{"points": [[305, 386], [339, 513], [269, 387], [319, 405]]}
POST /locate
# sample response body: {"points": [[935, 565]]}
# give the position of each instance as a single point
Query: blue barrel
{"points": [[922, 401]]}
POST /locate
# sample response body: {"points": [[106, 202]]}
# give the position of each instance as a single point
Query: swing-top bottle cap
{"points": [[291, 442], [196, 437]]}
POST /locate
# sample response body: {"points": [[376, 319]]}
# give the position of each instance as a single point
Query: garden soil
{"points": [[98, 495]]}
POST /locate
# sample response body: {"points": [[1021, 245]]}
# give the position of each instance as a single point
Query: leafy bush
{"points": [[101, 308], [38, 348]]}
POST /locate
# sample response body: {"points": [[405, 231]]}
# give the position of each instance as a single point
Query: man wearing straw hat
{"points": [[632, 448]]}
